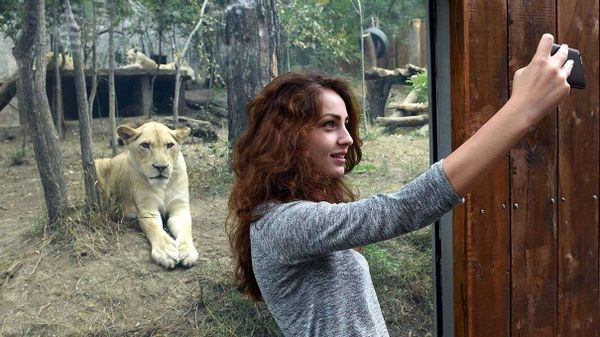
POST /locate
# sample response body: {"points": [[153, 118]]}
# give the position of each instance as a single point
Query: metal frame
{"points": [[440, 143]]}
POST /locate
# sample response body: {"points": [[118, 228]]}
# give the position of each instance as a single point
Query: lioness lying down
{"points": [[149, 180], [137, 60]]}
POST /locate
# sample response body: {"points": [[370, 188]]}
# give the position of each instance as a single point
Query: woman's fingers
{"points": [[561, 55], [566, 69], [544, 46]]}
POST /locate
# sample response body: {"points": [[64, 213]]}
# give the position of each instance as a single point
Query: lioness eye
{"points": [[145, 145], [170, 145]]}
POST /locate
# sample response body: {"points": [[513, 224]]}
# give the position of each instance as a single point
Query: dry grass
{"points": [[87, 231]]}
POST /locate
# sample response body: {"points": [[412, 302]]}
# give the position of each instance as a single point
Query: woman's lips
{"points": [[339, 158]]}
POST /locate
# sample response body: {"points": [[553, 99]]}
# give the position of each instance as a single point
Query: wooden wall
{"points": [[525, 243]]}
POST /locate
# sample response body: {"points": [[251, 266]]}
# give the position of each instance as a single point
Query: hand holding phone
{"points": [[577, 78]]}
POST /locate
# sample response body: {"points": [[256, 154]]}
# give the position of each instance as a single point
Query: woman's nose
{"points": [[345, 138]]}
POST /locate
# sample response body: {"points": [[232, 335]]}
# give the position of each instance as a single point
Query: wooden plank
{"points": [[479, 89], [533, 187], [578, 130], [459, 215]]}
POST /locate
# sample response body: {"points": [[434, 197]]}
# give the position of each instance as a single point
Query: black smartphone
{"points": [[576, 79]]}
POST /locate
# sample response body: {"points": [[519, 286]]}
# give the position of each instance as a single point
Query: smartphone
{"points": [[576, 79]]}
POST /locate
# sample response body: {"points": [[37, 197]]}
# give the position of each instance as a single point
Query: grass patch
{"points": [[212, 174], [221, 310], [362, 168], [18, 157], [217, 309], [402, 270]]}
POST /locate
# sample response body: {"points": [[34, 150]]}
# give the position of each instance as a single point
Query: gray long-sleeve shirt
{"points": [[312, 281]]}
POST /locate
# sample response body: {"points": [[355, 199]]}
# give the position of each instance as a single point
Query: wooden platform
{"points": [[133, 92]]}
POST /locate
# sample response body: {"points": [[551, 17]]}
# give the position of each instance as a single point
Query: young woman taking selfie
{"points": [[293, 221]]}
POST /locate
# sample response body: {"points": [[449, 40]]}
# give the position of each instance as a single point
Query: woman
{"points": [[293, 221]]}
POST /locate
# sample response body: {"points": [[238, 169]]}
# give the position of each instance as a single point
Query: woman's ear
{"points": [[127, 133]]}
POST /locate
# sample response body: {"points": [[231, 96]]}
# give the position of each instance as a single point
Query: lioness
{"points": [[138, 60], [149, 180], [183, 67]]}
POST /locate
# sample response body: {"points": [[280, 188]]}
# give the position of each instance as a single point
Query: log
{"points": [[8, 90], [215, 115], [396, 122], [409, 108], [200, 129], [409, 70], [412, 97]]}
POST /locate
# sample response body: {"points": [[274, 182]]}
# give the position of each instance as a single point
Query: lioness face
{"points": [[132, 55], [153, 149]]}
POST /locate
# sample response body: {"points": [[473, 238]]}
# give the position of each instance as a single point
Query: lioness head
{"points": [[132, 55], [154, 149]]}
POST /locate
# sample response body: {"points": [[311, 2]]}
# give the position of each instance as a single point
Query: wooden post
{"points": [[416, 43], [533, 186], [145, 94], [578, 177], [377, 90], [401, 49], [481, 226]]}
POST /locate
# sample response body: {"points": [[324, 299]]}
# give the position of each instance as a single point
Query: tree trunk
{"points": [[252, 63], [30, 53], [252, 44], [112, 105], [94, 61], [92, 195], [59, 112], [177, 66]]}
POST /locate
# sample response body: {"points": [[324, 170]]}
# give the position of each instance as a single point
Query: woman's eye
{"points": [[329, 124], [145, 145], [170, 145]]}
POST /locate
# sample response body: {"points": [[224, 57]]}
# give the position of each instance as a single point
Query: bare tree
{"points": [[252, 59], [178, 70], [58, 107], [30, 54], [112, 104], [94, 84], [92, 194]]}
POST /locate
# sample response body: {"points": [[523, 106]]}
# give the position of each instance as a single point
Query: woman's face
{"points": [[329, 140]]}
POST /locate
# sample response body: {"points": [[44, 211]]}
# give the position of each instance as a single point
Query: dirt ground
{"points": [[115, 288]]}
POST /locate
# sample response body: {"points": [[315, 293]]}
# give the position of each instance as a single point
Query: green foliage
{"points": [[324, 34], [364, 168], [18, 157], [311, 33], [11, 14], [421, 85]]}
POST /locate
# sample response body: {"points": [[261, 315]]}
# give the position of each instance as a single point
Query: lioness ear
{"points": [[181, 133], [135, 50], [127, 133]]}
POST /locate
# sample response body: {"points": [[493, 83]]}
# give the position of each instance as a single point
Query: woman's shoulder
{"points": [[274, 208]]}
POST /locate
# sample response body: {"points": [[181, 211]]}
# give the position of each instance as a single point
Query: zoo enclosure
{"points": [[521, 256]]}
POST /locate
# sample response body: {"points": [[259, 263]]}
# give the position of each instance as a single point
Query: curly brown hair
{"points": [[271, 163]]}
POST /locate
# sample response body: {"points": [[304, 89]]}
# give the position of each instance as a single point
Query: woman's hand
{"points": [[537, 88], [542, 84]]}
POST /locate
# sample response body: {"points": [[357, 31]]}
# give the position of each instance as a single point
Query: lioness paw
{"points": [[166, 253], [188, 255]]}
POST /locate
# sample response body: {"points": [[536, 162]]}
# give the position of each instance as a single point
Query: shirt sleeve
{"points": [[302, 229]]}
